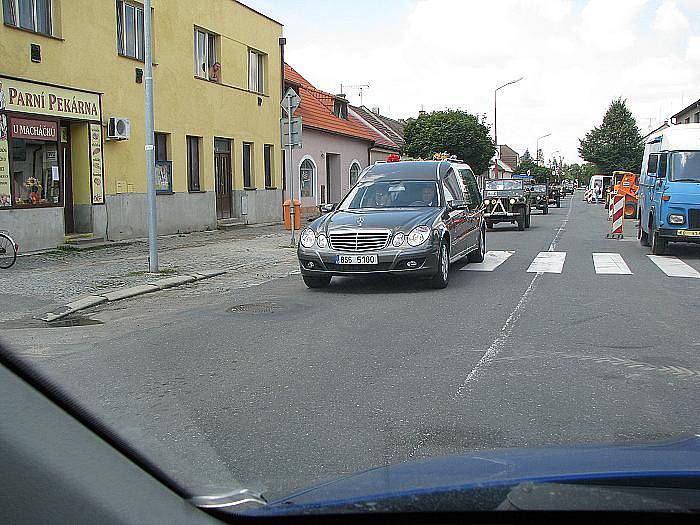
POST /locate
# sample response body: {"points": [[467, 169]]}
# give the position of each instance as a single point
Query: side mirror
{"points": [[327, 208], [458, 205]]}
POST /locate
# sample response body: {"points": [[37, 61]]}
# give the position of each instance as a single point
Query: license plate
{"points": [[689, 233], [365, 258]]}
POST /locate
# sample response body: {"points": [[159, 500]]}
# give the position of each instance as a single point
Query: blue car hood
{"points": [[677, 458]]}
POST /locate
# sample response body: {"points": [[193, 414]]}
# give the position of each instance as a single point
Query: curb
{"points": [[117, 295]]}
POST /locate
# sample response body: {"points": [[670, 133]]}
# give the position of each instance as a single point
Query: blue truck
{"points": [[669, 188]]}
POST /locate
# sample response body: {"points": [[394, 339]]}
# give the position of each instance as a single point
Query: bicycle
{"points": [[8, 250]]}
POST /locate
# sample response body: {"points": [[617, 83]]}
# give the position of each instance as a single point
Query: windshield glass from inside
{"points": [[685, 166], [392, 194], [504, 184]]}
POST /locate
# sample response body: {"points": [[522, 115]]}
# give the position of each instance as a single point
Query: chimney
{"points": [[375, 111], [341, 95]]}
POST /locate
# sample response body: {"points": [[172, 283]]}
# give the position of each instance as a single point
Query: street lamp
{"points": [[537, 147], [495, 119]]}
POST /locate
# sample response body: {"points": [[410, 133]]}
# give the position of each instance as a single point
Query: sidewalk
{"points": [[41, 281]]}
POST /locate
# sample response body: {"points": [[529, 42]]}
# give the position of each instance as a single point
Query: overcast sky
{"points": [[576, 57]]}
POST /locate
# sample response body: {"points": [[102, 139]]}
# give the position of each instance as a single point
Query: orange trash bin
{"points": [[288, 215]]}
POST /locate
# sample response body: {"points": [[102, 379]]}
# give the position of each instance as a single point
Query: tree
{"points": [[617, 143], [456, 132], [541, 173], [526, 156]]}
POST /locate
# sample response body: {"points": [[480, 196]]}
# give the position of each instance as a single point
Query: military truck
{"points": [[555, 195], [506, 200], [539, 197]]}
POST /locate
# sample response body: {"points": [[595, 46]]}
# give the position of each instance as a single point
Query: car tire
{"points": [[477, 255], [442, 277], [489, 226], [521, 224], [659, 245], [317, 282], [545, 210], [642, 235], [527, 219], [558, 203]]}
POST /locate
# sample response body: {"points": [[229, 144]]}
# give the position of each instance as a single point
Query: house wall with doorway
{"points": [[82, 56], [346, 151]]}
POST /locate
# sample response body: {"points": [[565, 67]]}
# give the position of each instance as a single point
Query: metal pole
{"points": [[150, 148], [495, 130], [292, 208]]}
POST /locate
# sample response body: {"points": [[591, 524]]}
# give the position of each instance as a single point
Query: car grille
{"points": [[358, 268], [694, 219], [359, 240]]}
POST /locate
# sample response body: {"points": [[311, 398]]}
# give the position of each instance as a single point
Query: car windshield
{"points": [[685, 166], [267, 246], [392, 194], [504, 185]]}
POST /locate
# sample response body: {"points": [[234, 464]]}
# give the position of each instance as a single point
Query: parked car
{"points": [[669, 188], [507, 200], [412, 217]]}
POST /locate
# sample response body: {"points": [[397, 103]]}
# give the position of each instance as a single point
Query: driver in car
{"points": [[428, 196]]}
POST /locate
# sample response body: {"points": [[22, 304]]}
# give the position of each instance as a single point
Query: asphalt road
{"points": [[312, 385]]}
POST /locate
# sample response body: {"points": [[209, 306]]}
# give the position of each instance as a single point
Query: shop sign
{"points": [[40, 99], [5, 199], [97, 178], [21, 128]]}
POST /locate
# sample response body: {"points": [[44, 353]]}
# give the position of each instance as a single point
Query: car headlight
{"points": [[399, 239], [676, 218], [418, 235], [322, 241], [487, 202], [308, 238], [512, 201]]}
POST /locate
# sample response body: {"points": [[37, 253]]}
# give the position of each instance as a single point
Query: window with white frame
{"points": [[206, 63], [33, 15], [355, 170], [307, 175], [256, 72], [130, 38]]}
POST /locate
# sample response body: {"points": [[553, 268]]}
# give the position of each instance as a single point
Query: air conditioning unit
{"points": [[119, 128]]}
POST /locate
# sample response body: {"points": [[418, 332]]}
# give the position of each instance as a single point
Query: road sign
{"points": [[296, 132], [290, 101]]}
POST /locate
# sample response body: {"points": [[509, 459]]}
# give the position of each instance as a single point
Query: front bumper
{"points": [[680, 234], [422, 260]]}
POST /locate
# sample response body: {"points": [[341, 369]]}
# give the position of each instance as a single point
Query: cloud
{"points": [[670, 19]]}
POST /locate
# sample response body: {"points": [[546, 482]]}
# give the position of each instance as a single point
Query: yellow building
{"points": [[72, 130]]}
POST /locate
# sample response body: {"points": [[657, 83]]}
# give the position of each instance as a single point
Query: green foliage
{"points": [[456, 132], [616, 144], [582, 172], [541, 173]]}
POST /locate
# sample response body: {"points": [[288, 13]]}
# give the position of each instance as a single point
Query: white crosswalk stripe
{"points": [[674, 267], [548, 262], [492, 260], [610, 264]]}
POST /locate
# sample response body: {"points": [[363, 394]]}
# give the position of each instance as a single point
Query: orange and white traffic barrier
{"points": [[618, 217]]}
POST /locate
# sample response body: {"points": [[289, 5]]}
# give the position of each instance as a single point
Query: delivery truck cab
{"points": [[669, 188]]}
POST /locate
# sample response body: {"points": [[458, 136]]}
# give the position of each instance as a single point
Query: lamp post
{"points": [[150, 148], [495, 117], [537, 147]]}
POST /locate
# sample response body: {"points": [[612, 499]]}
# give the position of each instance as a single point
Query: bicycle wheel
{"points": [[8, 251]]}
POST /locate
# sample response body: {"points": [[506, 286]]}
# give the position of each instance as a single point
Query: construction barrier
{"points": [[618, 217]]}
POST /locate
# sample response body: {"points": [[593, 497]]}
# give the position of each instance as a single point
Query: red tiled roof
{"points": [[316, 109]]}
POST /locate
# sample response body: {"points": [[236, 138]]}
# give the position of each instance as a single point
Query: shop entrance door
{"points": [[67, 180], [224, 179]]}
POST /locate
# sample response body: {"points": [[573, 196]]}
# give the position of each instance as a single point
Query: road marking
{"points": [[548, 262], [610, 264], [674, 267], [492, 260]]}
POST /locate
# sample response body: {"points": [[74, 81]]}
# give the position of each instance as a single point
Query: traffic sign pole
{"points": [[292, 207]]}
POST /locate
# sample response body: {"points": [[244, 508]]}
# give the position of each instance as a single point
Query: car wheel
{"points": [[558, 203], [477, 255], [442, 277], [527, 219], [545, 210], [521, 224], [659, 245], [642, 235], [317, 282], [489, 226]]}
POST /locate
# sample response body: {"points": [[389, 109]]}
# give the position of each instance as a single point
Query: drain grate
{"points": [[254, 308]]}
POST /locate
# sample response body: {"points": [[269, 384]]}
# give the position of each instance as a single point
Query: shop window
{"points": [[130, 38], [307, 175], [256, 72], [193, 163], [268, 165], [35, 170], [33, 15], [206, 63], [247, 165]]}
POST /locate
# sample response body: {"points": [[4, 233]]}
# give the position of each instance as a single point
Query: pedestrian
{"points": [[597, 193]]}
